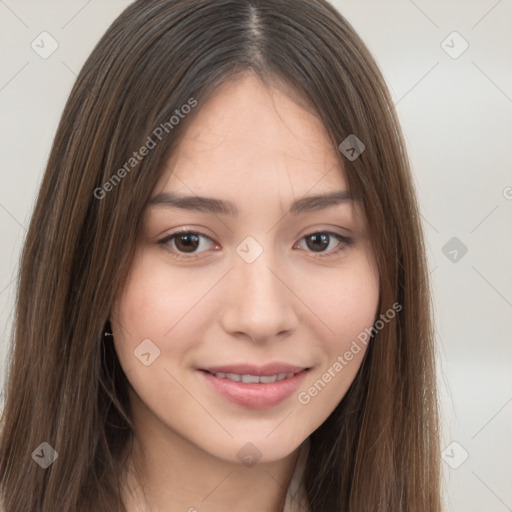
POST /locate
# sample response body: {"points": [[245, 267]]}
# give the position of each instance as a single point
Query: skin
{"points": [[292, 304]]}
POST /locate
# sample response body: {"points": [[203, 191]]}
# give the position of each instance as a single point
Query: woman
{"points": [[223, 300]]}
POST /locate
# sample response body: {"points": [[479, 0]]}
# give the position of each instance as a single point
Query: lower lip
{"points": [[256, 396]]}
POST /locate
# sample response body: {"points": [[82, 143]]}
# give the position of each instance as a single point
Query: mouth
{"points": [[255, 388], [254, 379]]}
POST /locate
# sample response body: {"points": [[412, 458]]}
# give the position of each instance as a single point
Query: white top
{"points": [[296, 496]]}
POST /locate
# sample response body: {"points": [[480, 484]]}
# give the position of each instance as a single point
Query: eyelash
{"points": [[344, 242]]}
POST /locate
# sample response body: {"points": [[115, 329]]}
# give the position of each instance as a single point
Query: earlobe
{"points": [[107, 329]]}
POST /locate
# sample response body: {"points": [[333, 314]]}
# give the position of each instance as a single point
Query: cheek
{"points": [[154, 299], [356, 317], [159, 305], [144, 311], [346, 302]]}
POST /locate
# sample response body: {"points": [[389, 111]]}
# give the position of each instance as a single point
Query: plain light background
{"points": [[455, 108]]}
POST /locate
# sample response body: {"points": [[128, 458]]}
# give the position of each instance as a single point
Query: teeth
{"points": [[250, 379], [254, 379]]}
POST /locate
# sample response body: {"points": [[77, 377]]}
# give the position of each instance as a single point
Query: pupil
{"points": [[191, 242]]}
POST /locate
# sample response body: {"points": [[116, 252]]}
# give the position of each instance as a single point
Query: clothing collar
{"points": [[296, 496]]}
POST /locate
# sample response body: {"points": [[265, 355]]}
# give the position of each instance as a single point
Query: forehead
{"points": [[248, 137]]}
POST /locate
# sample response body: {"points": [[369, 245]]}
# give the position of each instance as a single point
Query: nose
{"points": [[257, 301]]}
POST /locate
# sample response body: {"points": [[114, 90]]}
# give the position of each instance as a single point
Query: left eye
{"points": [[320, 241], [185, 243]]}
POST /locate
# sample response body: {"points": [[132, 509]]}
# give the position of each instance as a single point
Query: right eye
{"points": [[185, 242]]}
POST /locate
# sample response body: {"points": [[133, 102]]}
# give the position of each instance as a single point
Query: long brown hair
{"points": [[378, 451]]}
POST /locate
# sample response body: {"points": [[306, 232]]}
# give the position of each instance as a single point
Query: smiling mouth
{"points": [[255, 391], [254, 379]]}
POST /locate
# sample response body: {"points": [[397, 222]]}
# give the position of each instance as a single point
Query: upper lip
{"points": [[250, 369]]}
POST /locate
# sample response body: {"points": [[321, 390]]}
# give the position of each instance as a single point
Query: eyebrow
{"points": [[218, 206]]}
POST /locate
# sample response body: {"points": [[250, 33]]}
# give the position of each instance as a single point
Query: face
{"points": [[272, 284]]}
